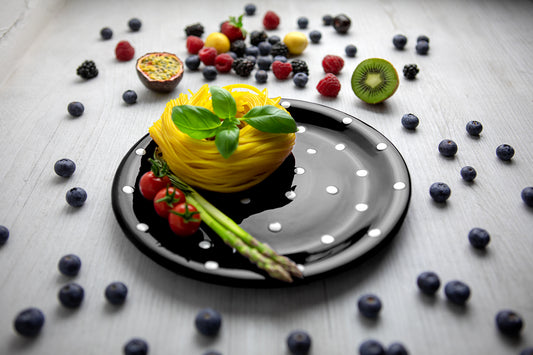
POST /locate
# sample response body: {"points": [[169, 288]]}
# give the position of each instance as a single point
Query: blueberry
{"points": [[422, 38], [212, 352], [300, 79], [428, 282], [134, 24], [303, 22], [4, 235], [116, 293], [193, 62], [474, 128], [75, 108], [29, 322], [71, 295], [410, 121], [369, 305], [299, 342], [76, 197], [261, 76], [397, 349], [129, 97], [457, 292], [527, 195], [371, 347], [209, 72], [69, 265], [64, 167], [479, 238], [439, 191], [509, 322], [250, 9], [136, 346], [281, 58], [422, 47], [468, 173], [527, 351], [399, 41], [264, 62], [253, 50], [251, 58], [273, 39], [106, 33], [264, 48], [232, 54], [447, 147], [350, 50], [505, 152], [315, 36], [208, 322], [327, 20]]}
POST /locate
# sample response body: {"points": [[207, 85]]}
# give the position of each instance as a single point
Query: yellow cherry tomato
{"points": [[219, 41], [296, 42]]}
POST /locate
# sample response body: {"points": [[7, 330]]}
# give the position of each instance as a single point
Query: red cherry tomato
{"points": [[150, 184], [166, 199], [184, 219]]}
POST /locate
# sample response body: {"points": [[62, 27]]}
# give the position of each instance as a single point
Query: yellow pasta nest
{"points": [[199, 163]]}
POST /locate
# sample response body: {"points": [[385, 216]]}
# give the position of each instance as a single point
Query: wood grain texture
{"points": [[478, 68]]}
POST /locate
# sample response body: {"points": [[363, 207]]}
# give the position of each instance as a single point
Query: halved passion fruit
{"points": [[160, 71]]}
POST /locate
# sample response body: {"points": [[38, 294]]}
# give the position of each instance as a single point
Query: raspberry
{"points": [[271, 20], [329, 86], [223, 62], [124, 51], [194, 44], [207, 55], [332, 64], [281, 70]]}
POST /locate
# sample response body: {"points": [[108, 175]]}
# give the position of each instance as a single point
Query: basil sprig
{"points": [[200, 123]]}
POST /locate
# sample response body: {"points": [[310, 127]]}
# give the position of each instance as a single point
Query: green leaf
{"points": [[227, 139], [198, 122], [224, 105], [270, 119]]}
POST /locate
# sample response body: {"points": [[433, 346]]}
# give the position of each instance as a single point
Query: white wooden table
{"points": [[478, 68]]}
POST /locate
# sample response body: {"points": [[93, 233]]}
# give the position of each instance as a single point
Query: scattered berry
{"points": [[207, 55], [212, 352], [29, 322], [194, 30], [280, 58], [527, 195], [71, 295], [273, 39], [332, 64], [478, 238], [369, 305], [474, 128], [124, 51], [136, 346], [271, 20], [410, 121], [299, 66], [428, 282], [329, 86], [422, 47], [261, 76], [116, 293], [371, 347], [422, 38], [87, 70], [64, 167], [457, 292], [223, 63], [264, 48], [509, 322], [69, 265], [505, 152], [76, 197], [396, 349], [134, 24], [399, 41], [468, 173], [129, 97], [315, 36], [279, 48], [238, 47], [350, 50], [447, 147], [410, 71], [193, 62], [257, 37], [439, 191], [327, 20], [252, 50], [75, 108], [233, 28], [106, 33], [303, 22], [243, 67], [194, 44], [250, 9], [208, 322], [264, 62], [299, 342], [527, 351], [281, 70], [300, 79], [210, 72], [342, 23], [4, 234]]}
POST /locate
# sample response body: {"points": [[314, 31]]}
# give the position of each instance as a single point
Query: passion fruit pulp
{"points": [[160, 71]]}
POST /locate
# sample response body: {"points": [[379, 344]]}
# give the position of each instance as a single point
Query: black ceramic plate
{"points": [[342, 193]]}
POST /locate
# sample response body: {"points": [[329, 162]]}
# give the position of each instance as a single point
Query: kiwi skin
{"points": [[388, 80]]}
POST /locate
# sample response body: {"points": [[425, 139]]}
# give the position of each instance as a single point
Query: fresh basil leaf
{"points": [[224, 105], [198, 122], [227, 139], [270, 119]]}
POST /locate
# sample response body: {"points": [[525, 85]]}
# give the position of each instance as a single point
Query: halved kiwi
{"points": [[374, 80]]}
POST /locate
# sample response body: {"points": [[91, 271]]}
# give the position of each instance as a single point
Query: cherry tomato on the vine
{"points": [[184, 219], [150, 184], [166, 199]]}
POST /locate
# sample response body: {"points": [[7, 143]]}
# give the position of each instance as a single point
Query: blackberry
{"points": [[257, 37], [410, 71], [299, 66], [238, 47], [87, 70], [243, 67], [195, 29], [279, 48]]}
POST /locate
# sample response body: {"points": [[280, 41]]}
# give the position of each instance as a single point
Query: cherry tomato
{"points": [[166, 199], [150, 184], [184, 219]]}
